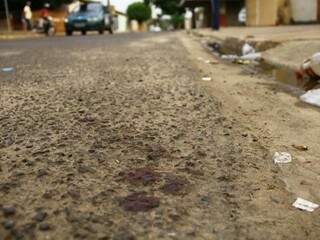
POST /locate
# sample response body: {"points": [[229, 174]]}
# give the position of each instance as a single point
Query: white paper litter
{"points": [[7, 69], [305, 205], [247, 49], [207, 61], [282, 157], [252, 56], [206, 79], [312, 97], [229, 57]]}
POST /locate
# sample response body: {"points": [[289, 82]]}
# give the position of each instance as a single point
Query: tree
{"points": [[169, 7], [139, 11], [17, 5], [177, 21]]}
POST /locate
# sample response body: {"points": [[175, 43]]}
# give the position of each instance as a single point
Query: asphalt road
{"points": [[72, 41], [115, 137]]}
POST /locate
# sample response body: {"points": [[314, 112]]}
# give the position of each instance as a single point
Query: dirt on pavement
{"points": [[124, 141]]}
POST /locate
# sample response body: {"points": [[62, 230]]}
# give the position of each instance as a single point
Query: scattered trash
{"points": [[206, 79], [7, 69], [252, 56], [242, 61], [309, 70], [230, 57], [312, 97], [247, 49], [216, 47], [246, 59], [305, 205], [208, 61], [211, 62], [282, 157], [310, 67], [300, 147]]}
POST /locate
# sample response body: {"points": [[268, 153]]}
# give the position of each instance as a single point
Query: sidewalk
{"points": [[5, 35], [282, 45]]}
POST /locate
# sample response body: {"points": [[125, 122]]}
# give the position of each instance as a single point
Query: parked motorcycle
{"points": [[46, 26]]}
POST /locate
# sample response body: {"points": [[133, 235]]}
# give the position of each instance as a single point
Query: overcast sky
{"points": [[121, 5]]}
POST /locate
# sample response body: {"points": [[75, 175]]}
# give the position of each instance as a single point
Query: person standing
{"points": [[215, 4], [188, 20], [27, 16]]}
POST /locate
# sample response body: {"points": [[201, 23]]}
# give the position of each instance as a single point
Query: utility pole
{"points": [[7, 15], [215, 6]]}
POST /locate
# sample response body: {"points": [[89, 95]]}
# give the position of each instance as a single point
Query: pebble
{"points": [[205, 199], [40, 216], [42, 172], [8, 224], [44, 227], [8, 210]]}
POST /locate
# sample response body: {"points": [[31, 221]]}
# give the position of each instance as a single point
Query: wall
{"points": [[262, 12], [304, 11], [122, 23]]}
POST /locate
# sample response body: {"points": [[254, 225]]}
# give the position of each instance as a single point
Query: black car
{"points": [[89, 16]]}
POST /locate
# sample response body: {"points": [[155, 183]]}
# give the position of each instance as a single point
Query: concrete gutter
{"points": [[276, 51]]}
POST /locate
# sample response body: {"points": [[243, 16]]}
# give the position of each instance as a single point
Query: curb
{"points": [[232, 45]]}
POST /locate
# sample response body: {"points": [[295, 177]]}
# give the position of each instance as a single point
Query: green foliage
{"points": [[35, 4], [169, 7], [139, 11], [177, 20]]}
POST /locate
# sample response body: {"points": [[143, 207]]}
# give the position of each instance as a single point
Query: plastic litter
{"points": [[7, 69], [206, 79], [300, 147], [242, 61], [207, 61], [211, 62], [247, 49], [305, 205], [216, 47], [230, 57], [246, 59], [252, 56], [312, 97], [282, 157], [312, 63]]}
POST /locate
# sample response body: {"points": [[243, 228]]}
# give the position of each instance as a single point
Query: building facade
{"points": [[258, 12]]}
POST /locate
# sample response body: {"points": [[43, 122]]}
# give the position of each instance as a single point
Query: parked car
{"points": [[89, 16]]}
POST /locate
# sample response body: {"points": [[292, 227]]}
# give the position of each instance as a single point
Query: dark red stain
{"points": [[174, 185], [144, 176], [139, 202]]}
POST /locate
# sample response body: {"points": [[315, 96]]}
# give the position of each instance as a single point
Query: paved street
{"points": [[116, 137]]}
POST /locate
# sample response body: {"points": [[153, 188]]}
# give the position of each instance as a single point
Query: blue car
{"points": [[89, 16]]}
